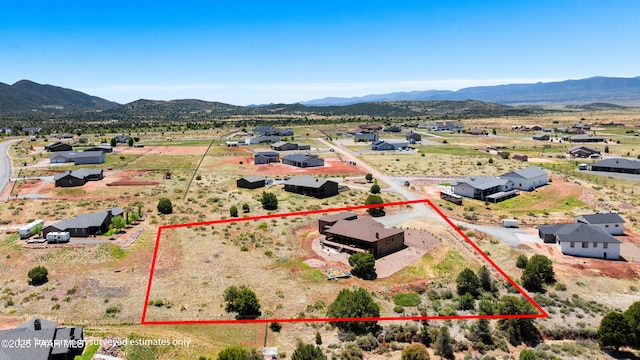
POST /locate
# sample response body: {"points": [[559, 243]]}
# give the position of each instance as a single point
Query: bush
{"points": [[242, 301], [275, 326], [269, 201], [369, 177], [406, 299], [245, 208], [165, 206], [364, 265], [357, 303], [521, 261], [233, 211], [373, 200], [38, 275]]}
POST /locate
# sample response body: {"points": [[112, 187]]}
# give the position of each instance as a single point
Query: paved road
{"points": [[5, 163], [631, 177], [395, 185]]}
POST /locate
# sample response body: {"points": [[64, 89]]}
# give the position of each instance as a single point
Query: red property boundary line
{"points": [[144, 321]]}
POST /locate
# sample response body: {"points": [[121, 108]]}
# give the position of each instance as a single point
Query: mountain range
{"points": [[615, 90], [28, 96]]}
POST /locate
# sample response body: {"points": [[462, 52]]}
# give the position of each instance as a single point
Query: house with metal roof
{"points": [[85, 225], [582, 152], [528, 178], [487, 188], [364, 235], [77, 177], [609, 222], [310, 186], [541, 137], [303, 160], [583, 138], [251, 182], [105, 148], [365, 136], [77, 157], [263, 139], [286, 146], [585, 240], [619, 165], [390, 144], [58, 146], [266, 157], [46, 341], [413, 137]]}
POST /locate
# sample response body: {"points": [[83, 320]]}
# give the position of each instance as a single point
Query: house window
{"points": [[616, 225], [585, 245], [605, 245], [572, 244], [595, 244], [606, 226]]}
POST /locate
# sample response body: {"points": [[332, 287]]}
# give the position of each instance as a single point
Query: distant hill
{"points": [[620, 91], [198, 109], [27, 95]]}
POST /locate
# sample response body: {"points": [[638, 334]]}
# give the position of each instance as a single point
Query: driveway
{"points": [[5, 164]]}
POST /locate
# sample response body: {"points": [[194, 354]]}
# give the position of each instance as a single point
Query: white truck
{"points": [[510, 223], [27, 230], [58, 237]]}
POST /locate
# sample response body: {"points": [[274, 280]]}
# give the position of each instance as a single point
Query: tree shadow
{"points": [[622, 354]]}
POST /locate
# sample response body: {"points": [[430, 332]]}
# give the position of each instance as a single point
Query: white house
{"points": [[528, 179], [482, 187], [390, 144], [609, 222], [588, 241]]}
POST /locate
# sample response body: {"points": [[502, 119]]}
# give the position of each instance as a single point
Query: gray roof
{"points": [[585, 137], [365, 229], [86, 154], [618, 163], [307, 181], [299, 157], [268, 153], [586, 148], [27, 331], [602, 218], [80, 173], [482, 182], [549, 229], [578, 232], [253, 178], [528, 173], [86, 220]]}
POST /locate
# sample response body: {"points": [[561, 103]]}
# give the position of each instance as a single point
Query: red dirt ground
{"points": [[112, 178], [331, 167], [170, 150]]}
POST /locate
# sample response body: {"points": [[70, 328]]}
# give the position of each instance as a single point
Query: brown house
{"points": [[326, 222], [364, 235]]}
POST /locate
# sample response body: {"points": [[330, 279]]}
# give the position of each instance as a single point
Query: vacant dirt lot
{"points": [[46, 189], [166, 150]]}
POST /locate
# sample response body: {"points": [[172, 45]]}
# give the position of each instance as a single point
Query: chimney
{"points": [[377, 235], [37, 325]]}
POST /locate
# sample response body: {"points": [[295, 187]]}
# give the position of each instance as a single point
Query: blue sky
{"points": [[255, 52]]}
